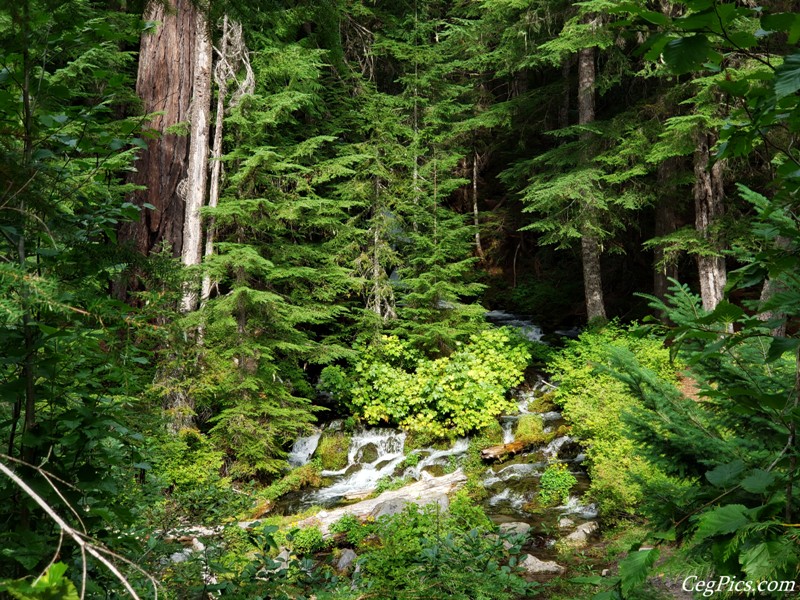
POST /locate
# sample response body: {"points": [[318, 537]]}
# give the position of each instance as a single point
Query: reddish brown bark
{"points": [[164, 83]]}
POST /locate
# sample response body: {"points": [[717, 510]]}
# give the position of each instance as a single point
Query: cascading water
{"points": [[303, 449], [372, 455]]}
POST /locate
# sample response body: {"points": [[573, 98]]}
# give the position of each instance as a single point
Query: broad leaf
{"points": [[634, 569], [787, 76], [687, 53], [725, 475], [723, 520], [758, 481]]}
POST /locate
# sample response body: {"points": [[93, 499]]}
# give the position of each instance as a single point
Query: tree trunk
{"points": [[164, 83], [563, 109], [665, 223], [194, 188], [708, 202], [590, 245], [475, 213]]}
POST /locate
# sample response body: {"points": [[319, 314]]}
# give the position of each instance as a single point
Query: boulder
{"points": [[534, 567], [565, 523], [580, 537], [388, 507], [346, 560], [516, 527]]}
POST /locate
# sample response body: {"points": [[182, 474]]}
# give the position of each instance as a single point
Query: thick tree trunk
{"points": [[164, 83], [590, 245], [194, 188], [665, 223], [708, 202]]}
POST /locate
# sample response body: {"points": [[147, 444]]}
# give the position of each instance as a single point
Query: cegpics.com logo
{"points": [[731, 584]]}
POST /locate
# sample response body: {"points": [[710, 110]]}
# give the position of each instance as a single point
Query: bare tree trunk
{"points": [[164, 83], [665, 223], [194, 189], [475, 219], [708, 202], [590, 245]]}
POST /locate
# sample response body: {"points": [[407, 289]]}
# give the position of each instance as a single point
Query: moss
{"points": [[530, 429], [297, 479], [492, 434], [416, 440], [543, 403], [332, 451]]}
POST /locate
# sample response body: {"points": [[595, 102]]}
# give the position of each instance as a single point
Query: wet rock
{"points": [[346, 560], [533, 566], [565, 523], [514, 527], [552, 415], [580, 537]]}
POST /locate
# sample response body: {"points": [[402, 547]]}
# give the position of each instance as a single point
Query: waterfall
{"points": [[303, 449]]}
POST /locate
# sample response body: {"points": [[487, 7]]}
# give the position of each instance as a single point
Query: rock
{"points": [[605, 572], [551, 416], [367, 454], [514, 527], [565, 523], [533, 566], [182, 556], [283, 560], [389, 507], [580, 537], [346, 560]]}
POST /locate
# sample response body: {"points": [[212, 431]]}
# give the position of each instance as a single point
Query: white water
{"points": [[303, 449], [504, 319], [361, 475]]}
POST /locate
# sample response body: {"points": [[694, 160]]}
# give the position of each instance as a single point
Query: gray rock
{"points": [[182, 556], [565, 523], [533, 566], [346, 560], [514, 527], [580, 537], [388, 507]]}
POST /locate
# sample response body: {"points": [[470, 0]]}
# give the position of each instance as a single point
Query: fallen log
{"points": [[503, 450]]}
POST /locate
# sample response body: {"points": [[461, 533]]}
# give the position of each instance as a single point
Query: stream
{"points": [[376, 454]]}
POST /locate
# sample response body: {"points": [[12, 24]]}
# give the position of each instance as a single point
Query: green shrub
{"points": [[332, 451], [555, 484], [594, 402], [307, 540], [447, 397]]}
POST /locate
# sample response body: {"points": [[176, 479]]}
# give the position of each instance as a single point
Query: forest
{"points": [[268, 269]]}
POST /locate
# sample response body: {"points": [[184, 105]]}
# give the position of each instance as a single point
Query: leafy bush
{"points": [[446, 397], [555, 484], [426, 553], [594, 402]]}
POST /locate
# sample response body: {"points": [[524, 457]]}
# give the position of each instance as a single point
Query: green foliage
{"points": [[52, 585], [448, 396], [594, 402], [307, 540], [555, 484], [439, 555]]}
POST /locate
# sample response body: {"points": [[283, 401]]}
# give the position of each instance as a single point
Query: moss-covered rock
{"points": [[332, 450]]}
